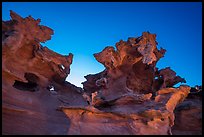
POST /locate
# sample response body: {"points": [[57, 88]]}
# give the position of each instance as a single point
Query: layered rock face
{"points": [[131, 96], [33, 80]]}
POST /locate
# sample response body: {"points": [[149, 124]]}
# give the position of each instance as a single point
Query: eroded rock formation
{"points": [[131, 96], [28, 70], [188, 114], [133, 67], [128, 114]]}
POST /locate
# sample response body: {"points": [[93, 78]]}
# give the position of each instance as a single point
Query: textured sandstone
{"points": [[131, 96], [131, 85], [28, 69], [133, 65], [129, 114], [188, 114]]}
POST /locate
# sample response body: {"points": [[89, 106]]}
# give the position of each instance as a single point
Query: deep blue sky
{"points": [[85, 28]]}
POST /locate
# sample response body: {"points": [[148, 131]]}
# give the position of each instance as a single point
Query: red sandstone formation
{"points": [[131, 96], [133, 65], [28, 70], [128, 114], [188, 114]]}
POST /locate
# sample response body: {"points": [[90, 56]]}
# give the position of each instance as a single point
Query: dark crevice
{"points": [[26, 86], [31, 85]]}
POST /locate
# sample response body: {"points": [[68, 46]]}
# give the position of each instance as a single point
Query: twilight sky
{"points": [[85, 28]]}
